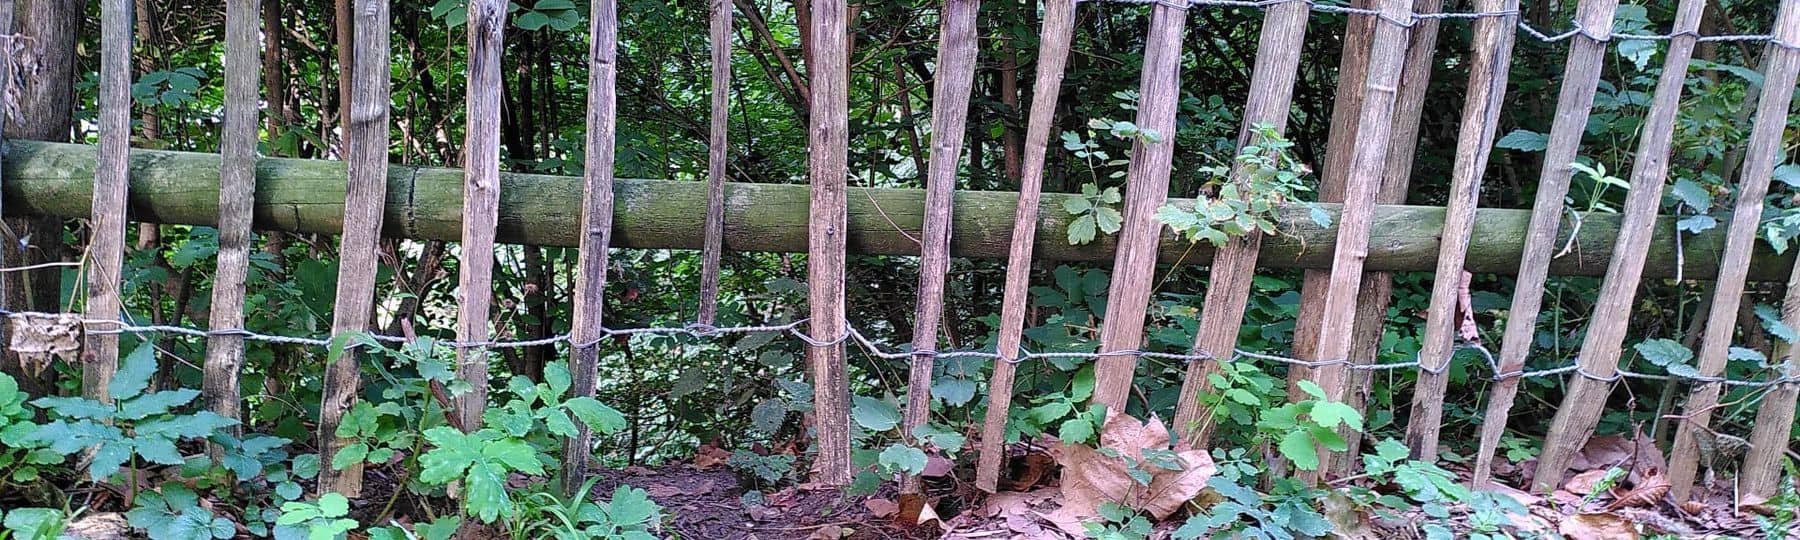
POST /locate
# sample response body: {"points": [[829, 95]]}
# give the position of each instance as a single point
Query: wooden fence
{"points": [[1384, 73]]}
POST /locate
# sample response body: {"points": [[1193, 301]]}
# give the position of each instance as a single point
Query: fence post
{"points": [[237, 199], [1599, 357], [100, 350], [1489, 65], [1761, 473], [1053, 56], [481, 205], [366, 143], [827, 227], [1375, 293], [1146, 187], [587, 328], [715, 162], [955, 80], [1581, 75], [1234, 266], [1363, 178], [1765, 148]]}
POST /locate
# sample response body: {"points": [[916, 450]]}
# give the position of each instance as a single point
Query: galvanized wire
{"points": [[872, 348]]}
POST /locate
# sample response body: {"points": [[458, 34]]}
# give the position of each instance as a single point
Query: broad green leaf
{"points": [[515, 454], [1788, 174], [900, 457], [349, 456], [1312, 388], [108, 458], [1108, 219], [1692, 194], [1742, 354], [333, 505], [557, 376], [768, 415], [1076, 431], [74, 407], [157, 403], [1332, 413], [485, 492], [1298, 447], [874, 414], [1524, 141], [631, 506], [1771, 320], [1082, 230], [1663, 352], [157, 450], [597, 416], [953, 391]]}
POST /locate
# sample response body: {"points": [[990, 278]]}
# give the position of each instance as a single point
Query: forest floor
{"points": [[705, 500]]}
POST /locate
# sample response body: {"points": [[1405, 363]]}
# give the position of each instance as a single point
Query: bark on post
{"points": [[1768, 440], [481, 205], [237, 200], [954, 82], [1581, 75], [1234, 267], [1599, 356], [1367, 163], [1053, 56], [106, 246], [1489, 65], [827, 229], [587, 329], [1780, 67], [365, 195], [715, 162], [1146, 188]]}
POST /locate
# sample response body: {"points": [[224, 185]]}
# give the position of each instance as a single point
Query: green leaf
{"points": [[157, 403], [1524, 141], [1771, 320], [1788, 174], [692, 380], [900, 457], [953, 391], [557, 376], [597, 416], [1298, 447], [557, 423], [1076, 431], [1312, 388], [1742, 354], [1664, 352], [1692, 194], [1076, 206], [768, 415], [533, 21], [515, 454], [158, 450], [485, 492], [75, 407], [108, 458], [631, 506], [1696, 224], [874, 414], [334, 505], [191, 426], [1082, 230], [1108, 219], [349, 456], [134, 372], [1332, 413]]}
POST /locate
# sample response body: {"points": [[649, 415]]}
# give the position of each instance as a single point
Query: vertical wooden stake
{"points": [[481, 204], [1581, 75], [1761, 474], [237, 198], [827, 150], [1053, 56], [1599, 357], [1234, 266], [1367, 163], [1780, 66], [715, 162], [106, 246], [596, 228], [365, 196], [1489, 65], [1146, 187], [955, 80]]}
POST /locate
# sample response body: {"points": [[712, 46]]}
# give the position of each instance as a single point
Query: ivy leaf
{"points": [[134, 373], [900, 457], [1664, 352], [1524, 141], [874, 414]]}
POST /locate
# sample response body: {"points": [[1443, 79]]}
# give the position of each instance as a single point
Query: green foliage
{"points": [[23, 457], [32, 523], [1303, 426], [134, 426], [1245, 514], [1094, 213], [1268, 176], [1118, 522], [173, 512], [325, 519], [770, 469]]}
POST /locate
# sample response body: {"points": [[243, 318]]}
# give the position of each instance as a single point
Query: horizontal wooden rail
{"points": [[307, 196]]}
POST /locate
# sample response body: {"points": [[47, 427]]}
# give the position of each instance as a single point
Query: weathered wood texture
{"points": [[1585, 399], [106, 245], [1581, 75], [1761, 473], [8, 295], [1053, 56], [367, 161], [237, 197], [1780, 69], [596, 227], [715, 162], [481, 204], [954, 81], [1146, 187], [1489, 65], [827, 150], [1367, 163], [1375, 293], [1234, 266], [307, 196]]}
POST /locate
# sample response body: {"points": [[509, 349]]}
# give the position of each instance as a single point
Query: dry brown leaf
{"points": [[1027, 471], [1584, 483], [936, 466], [1091, 477], [1754, 503], [915, 509], [1603, 452], [39, 337], [1602, 526], [1347, 520], [829, 532], [881, 507], [709, 456], [1693, 507], [1645, 493]]}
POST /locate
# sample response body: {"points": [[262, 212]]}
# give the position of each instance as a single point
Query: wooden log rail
{"points": [[307, 196]]}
